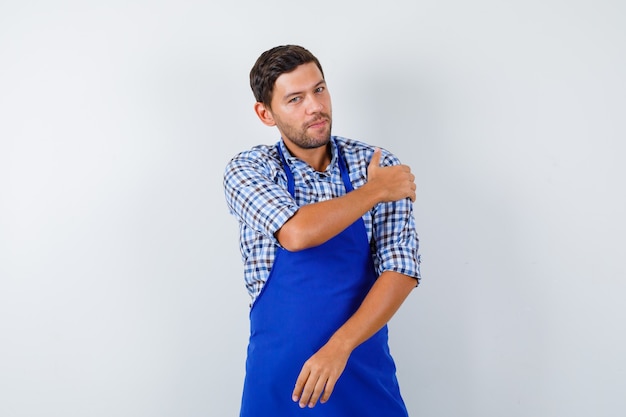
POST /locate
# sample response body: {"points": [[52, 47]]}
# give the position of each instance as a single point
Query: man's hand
{"points": [[319, 375], [396, 182]]}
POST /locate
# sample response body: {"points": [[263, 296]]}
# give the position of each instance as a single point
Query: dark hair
{"points": [[274, 62]]}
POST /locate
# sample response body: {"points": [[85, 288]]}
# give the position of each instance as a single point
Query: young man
{"points": [[330, 252]]}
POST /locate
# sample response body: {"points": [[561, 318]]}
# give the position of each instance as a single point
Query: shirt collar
{"points": [[297, 164]]}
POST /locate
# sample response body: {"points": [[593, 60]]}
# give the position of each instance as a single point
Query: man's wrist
{"points": [[341, 343], [371, 193]]}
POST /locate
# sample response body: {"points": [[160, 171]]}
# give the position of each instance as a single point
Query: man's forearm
{"points": [[381, 303], [316, 223]]}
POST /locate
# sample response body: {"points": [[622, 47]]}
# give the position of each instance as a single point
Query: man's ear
{"points": [[264, 114]]}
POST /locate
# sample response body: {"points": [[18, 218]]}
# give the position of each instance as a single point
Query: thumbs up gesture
{"points": [[393, 182]]}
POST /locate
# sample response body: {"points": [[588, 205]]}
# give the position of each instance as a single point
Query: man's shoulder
{"points": [[258, 155], [260, 161], [351, 144], [363, 151], [354, 151]]}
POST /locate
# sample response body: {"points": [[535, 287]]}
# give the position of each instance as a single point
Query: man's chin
{"points": [[314, 143], [322, 137], [322, 141]]}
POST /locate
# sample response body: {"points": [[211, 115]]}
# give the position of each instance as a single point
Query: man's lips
{"points": [[317, 123]]}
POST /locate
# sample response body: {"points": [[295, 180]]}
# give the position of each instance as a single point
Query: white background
{"points": [[121, 289]]}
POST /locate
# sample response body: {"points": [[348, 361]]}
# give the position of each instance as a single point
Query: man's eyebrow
{"points": [[295, 93]]}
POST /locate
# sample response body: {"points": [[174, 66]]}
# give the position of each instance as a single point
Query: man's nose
{"points": [[315, 105]]}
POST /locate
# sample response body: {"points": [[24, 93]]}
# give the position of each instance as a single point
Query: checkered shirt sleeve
{"points": [[390, 226]]}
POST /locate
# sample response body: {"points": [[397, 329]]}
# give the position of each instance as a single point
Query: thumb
{"points": [[375, 161]]}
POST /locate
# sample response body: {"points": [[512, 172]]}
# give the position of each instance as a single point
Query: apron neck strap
{"points": [[343, 168]]}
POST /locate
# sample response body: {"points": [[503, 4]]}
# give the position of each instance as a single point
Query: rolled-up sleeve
{"points": [[395, 239]]}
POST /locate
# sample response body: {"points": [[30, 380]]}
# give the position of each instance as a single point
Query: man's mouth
{"points": [[317, 123]]}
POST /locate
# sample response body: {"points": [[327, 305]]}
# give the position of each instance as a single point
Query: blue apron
{"points": [[307, 297]]}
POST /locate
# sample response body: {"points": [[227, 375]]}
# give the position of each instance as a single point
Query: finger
{"points": [[328, 389], [307, 392], [375, 161], [300, 382], [319, 388]]}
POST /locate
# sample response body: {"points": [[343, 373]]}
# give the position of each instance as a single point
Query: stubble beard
{"points": [[302, 139]]}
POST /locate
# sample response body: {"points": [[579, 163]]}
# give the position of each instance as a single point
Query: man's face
{"points": [[301, 107]]}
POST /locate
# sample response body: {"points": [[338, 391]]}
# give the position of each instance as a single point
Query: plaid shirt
{"points": [[256, 192]]}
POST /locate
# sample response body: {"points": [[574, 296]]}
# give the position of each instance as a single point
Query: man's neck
{"points": [[317, 158]]}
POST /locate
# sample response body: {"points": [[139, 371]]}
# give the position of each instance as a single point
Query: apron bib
{"points": [[307, 297]]}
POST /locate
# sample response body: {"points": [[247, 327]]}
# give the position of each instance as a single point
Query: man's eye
{"points": [[319, 89], [294, 100]]}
